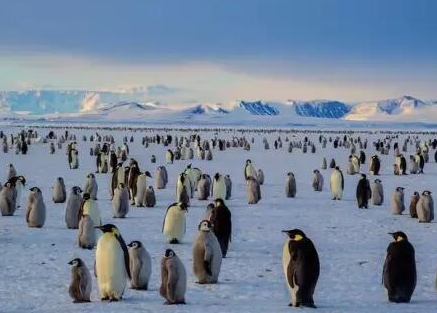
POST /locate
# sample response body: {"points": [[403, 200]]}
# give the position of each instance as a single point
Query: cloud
{"points": [[161, 90]]}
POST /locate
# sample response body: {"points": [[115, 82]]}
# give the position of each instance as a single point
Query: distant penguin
{"points": [[228, 183], [375, 165], [260, 175], [120, 201], [290, 186], [149, 198], [11, 172], [218, 187], [91, 186], [301, 267], [193, 175], [174, 225], [332, 164], [81, 284], [173, 279], [221, 220], [36, 209], [7, 200], [377, 192], [413, 165], [425, 207], [111, 263], [141, 188], [324, 165], [253, 190], [337, 184], [397, 201], [169, 156], [203, 187], [86, 234], [183, 185], [132, 180], [74, 203], [399, 274], [363, 193], [207, 255], [161, 177], [413, 204], [318, 180], [402, 165], [59, 193], [249, 170], [140, 265]]}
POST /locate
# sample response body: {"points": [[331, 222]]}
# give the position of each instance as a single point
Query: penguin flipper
{"points": [[292, 265], [126, 254], [386, 270]]}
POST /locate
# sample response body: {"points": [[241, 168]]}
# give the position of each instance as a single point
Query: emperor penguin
{"points": [[149, 198], [11, 172], [174, 225], [375, 165], [161, 177], [228, 183], [413, 165], [183, 184], [119, 176], [332, 163], [317, 181], [59, 194], [141, 188], [7, 200], [425, 207], [90, 207], [399, 273], [20, 183], [169, 156], [290, 185], [350, 167], [337, 183], [81, 284], [74, 159], [140, 265], [260, 176], [253, 190], [173, 279], [301, 266], [413, 204], [91, 186], [112, 263], [221, 220], [74, 203], [36, 209], [377, 192], [207, 255], [363, 193], [132, 179], [218, 187], [120, 201], [203, 187], [86, 236], [193, 175], [324, 166], [249, 170], [397, 201]]}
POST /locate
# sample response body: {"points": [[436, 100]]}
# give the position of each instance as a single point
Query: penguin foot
{"points": [[113, 300], [174, 241], [105, 299]]}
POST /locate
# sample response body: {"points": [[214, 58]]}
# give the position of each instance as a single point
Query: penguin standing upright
{"points": [[91, 208], [74, 203], [249, 170], [221, 220], [149, 198], [91, 186], [120, 201], [397, 201], [301, 266], [425, 207], [36, 209], [174, 225], [399, 273], [375, 165], [413, 203], [20, 183], [207, 255], [173, 279], [337, 184], [141, 188], [58, 191], [253, 190], [377, 192], [140, 265], [203, 187], [218, 187], [112, 263], [228, 183], [86, 236], [169, 156], [161, 177], [260, 176], [80, 285], [11, 172], [290, 185], [132, 179], [7, 200], [317, 182], [364, 193]]}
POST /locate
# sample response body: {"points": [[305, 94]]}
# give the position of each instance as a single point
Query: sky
{"points": [[220, 50]]}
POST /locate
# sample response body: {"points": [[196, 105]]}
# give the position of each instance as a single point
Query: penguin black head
{"points": [[399, 236], [121, 185], [426, 193], [416, 193], [135, 244], [76, 262], [248, 161], [315, 171], [400, 189], [60, 179], [377, 181], [90, 175], [35, 190], [295, 234], [22, 179], [219, 201], [108, 228], [169, 253], [337, 168], [210, 206], [150, 188], [183, 206], [189, 166], [76, 190], [205, 225], [217, 176], [8, 184], [147, 173], [86, 196], [363, 176]]}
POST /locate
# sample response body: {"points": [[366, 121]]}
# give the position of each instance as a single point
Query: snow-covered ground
{"points": [[34, 274]]}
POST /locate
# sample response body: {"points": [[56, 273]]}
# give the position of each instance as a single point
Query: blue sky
{"points": [[218, 50]]}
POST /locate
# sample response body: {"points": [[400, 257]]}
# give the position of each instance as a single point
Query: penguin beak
{"points": [[98, 227], [148, 175], [71, 262]]}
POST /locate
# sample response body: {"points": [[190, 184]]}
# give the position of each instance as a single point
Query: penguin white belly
{"points": [[141, 189], [168, 158], [19, 189], [174, 224], [285, 261], [219, 190], [250, 171], [336, 185], [111, 270]]}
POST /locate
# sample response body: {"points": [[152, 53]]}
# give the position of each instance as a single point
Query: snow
{"points": [[351, 243]]}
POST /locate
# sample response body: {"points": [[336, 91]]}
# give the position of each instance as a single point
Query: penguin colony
{"points": [[133, 190]]}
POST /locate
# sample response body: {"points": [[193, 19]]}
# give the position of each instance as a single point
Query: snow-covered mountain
{"points": [[321, 108]]}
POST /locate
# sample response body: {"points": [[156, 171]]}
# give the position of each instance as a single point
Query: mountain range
{"points": [[130, 106]]}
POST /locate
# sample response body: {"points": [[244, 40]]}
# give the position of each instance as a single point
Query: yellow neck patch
{"points": [[115, 231], [399, 238], [297, 238]]}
